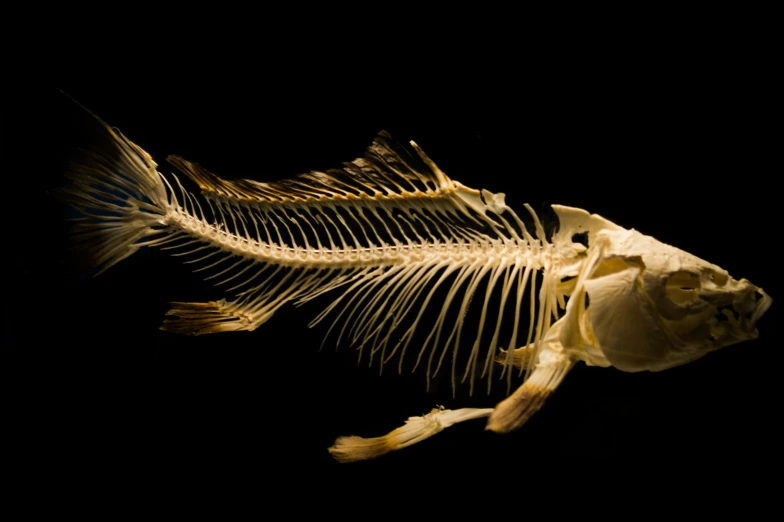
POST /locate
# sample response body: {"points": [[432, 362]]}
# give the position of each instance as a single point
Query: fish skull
{"points": [[640, 304]]}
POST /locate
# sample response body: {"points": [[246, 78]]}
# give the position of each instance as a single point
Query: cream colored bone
{"points": [[640, 315], [382, 234]]}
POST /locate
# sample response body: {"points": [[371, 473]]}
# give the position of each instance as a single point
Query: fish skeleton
{"points": [[390, 238]]}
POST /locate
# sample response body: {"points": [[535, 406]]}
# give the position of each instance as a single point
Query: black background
{"points": [[680, 149]]}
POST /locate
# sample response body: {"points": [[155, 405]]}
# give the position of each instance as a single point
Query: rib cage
{"points": [[389, 230]]}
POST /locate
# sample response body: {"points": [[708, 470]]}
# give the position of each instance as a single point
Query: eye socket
{"points": [[684, 281], [682, 287]]}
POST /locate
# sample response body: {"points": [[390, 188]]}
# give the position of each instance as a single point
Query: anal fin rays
{"points": [[203, 318]]}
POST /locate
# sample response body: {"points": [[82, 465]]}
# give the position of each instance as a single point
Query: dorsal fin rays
{"points": [[443, 180], [386, 170]]}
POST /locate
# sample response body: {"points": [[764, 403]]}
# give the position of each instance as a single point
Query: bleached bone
{"points": [[416, 429], [383, 234]]}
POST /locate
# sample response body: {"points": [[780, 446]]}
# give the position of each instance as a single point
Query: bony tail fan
{"points": [[404, 253]]}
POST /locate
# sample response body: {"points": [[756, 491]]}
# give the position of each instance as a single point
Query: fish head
{"points": [[646, 305]]}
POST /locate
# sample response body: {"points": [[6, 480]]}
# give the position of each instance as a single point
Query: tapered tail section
{"points": [[121, 195]]}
